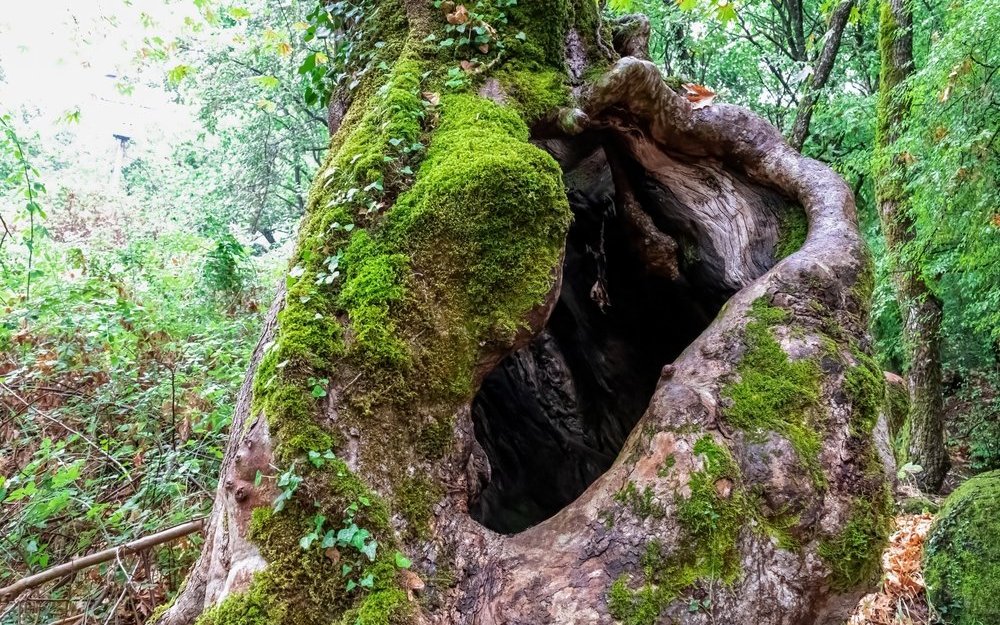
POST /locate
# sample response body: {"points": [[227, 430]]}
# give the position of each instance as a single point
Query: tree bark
{"points": [[563, 371], [821, 73], [920, 307]]}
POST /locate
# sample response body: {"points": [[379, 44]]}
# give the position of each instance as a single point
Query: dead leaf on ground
{"points": [[901, 601], [459, 16]]}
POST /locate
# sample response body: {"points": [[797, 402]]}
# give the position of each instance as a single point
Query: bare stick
{"points": [[77, 564]]}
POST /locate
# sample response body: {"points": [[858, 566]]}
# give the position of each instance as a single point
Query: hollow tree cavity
{"points": [[594, 420]]}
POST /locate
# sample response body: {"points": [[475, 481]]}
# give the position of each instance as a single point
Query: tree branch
{"points": [[821, 73], [111, 553]]}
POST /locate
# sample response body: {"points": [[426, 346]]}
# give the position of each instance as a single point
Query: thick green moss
{"points": [[640, 607], [544, 23], [415, 498], [536, 93], [486, 217], [309, 337], [897, 409], [386, 607], [793, 227], [962, 554], [284, 396], [388, 127], [854, 554], [372, 285], [865, 386], [775, 394]]}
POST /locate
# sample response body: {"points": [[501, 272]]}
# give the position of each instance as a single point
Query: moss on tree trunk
{"points": [[492, 208], [921, 308]]}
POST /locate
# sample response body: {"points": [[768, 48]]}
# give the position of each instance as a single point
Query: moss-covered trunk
{"points": [[921, 308], [553, 347]]}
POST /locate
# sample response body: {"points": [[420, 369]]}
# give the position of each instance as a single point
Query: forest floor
{"points": [[901, 600]]}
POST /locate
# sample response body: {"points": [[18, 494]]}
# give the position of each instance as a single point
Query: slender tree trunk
{"points": [[821, 73], [536, 361], [920, 307]]}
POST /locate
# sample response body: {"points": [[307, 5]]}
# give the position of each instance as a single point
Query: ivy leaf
{"points": [[346, 534], [402, 562], [306, 541], [369, 550]]}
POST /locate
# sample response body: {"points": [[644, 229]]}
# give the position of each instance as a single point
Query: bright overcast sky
{"points": [[56, 56]]}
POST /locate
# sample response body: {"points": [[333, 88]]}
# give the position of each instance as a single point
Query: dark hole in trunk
{"points": [[554, 415]]}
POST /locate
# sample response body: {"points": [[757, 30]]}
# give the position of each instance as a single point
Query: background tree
{"points": [[920, 307]]}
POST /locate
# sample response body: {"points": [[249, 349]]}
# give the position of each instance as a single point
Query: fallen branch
{"points": [[77, 564]]}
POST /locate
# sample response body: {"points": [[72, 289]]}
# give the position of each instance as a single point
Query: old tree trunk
{"points": [[564, 364], [922, 439]]}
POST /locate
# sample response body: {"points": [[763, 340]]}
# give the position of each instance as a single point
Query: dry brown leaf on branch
{"points": [[698, 95]]}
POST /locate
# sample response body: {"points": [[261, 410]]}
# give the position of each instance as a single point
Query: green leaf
{"points": [[726, 12], [369, 550], [345, 535], [402, 561], [267, 82], [238, 13], [329, 540], [176, 74]]}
